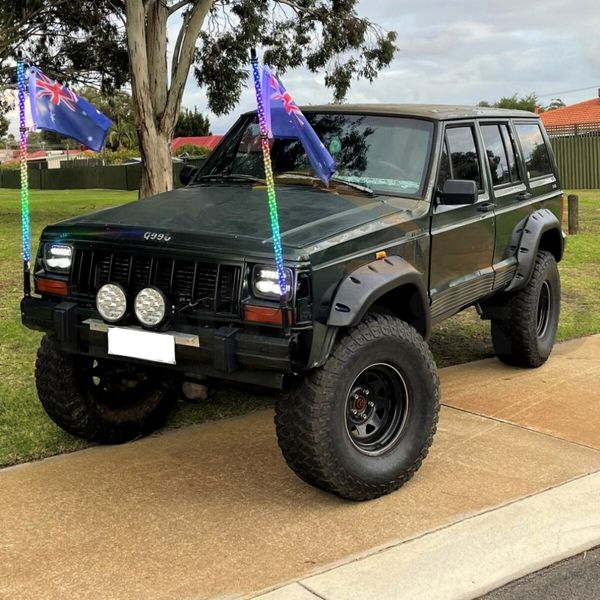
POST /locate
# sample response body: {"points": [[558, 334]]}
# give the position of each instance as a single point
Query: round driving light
{"points": [[111, 302], [150, 307]]}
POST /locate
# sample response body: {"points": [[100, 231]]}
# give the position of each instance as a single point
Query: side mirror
{"points": [[459, 191], [187, 173]]}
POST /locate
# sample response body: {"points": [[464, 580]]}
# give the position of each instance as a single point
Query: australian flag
{"points": [[55, 107], [285, 120]]}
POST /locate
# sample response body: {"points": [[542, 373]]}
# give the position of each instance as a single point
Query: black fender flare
{"points": [[529, 235], [360, 289]]}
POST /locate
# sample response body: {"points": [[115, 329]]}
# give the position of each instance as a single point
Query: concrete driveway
{"points": [[212, 510]]}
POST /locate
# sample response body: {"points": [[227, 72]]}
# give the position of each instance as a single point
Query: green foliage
{"points": [[191, 124], [193, 150], [325, 35], [122, 135], [555, 103], [80, 42], [10, 165], [3, 125], [117, 157], [529, 102]]}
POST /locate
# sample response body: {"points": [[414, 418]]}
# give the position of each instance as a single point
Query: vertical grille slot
{"points": [[140, 272], [183, 281], [227, 289], [206, 280], [162, 280]]}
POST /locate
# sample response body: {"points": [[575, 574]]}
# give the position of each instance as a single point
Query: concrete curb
{"points": [[471, 557]]}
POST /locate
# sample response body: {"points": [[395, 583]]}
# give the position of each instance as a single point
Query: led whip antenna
{"points": [[25, 229], [272, 198]]}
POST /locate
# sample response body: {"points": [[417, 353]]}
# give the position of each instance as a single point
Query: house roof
{"points": [[210, 141], [587, 111]]}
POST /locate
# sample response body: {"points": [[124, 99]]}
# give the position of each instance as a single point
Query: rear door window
{"points": [[463, 154], [535, 153], [496, 154]]}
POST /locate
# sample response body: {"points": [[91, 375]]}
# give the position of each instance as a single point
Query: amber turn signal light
{"points": [[264, 314], [51, 286]]}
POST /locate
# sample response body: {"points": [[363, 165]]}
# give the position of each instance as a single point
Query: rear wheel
{"points": [[524, 335], [102, 401], [361, 425]]}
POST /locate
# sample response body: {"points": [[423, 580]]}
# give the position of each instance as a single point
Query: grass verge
{"points": [[26, 432]]}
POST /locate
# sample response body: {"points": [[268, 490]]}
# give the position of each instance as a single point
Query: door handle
{"points": [[486, 207], [524, 196]]}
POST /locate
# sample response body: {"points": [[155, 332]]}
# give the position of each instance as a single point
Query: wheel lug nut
{"points": [[367, 392], [364, 416], [371, 404], [354, 411], [356, 396]]}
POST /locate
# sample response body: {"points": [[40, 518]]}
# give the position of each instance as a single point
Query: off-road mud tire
{"points": [[515, 334], [67, 395], [311, 421]]}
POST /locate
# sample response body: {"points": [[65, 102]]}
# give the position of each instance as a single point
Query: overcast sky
{"points": [[463, 52]]}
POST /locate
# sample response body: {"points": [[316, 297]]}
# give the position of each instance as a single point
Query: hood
{"points": [[232, 216]]}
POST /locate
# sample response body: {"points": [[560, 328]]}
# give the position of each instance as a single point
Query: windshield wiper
{"points": [[230, 177], [355, 186], [350, 184]]}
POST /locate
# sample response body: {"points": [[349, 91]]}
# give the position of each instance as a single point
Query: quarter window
{"points": [[496, 154], [535, 152], [463, 154]]}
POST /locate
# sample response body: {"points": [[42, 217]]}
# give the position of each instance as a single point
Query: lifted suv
{"points": [[432, 209]]}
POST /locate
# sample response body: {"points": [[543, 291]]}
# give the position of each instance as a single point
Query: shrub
{"points": [[193, 150], [10, 165]]}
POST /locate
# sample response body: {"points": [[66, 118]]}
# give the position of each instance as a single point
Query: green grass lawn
{"points": [[25, 431]]}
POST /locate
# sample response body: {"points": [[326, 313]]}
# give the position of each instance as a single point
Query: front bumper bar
{"points": [[224, 352]]}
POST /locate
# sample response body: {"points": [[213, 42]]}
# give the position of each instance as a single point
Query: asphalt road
{"points": [[576, 578]]}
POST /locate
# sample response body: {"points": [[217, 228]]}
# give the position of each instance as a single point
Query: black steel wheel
{"points": [[523, 335], [376, 408], [101, 401], [361, 425]]}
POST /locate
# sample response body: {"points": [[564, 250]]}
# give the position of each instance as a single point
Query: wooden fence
{"points": [[578, 159]]}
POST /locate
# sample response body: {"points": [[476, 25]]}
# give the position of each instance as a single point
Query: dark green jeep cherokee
{"points": [[431, 209]]}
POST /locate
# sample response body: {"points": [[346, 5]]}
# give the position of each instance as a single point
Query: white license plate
{"points": [[146, 345]]}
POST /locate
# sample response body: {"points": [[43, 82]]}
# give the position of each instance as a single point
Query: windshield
{"points": [[387, 154]]}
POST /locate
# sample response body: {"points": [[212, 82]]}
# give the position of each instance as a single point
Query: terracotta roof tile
{"points": [[587, 111], [210, 141]]}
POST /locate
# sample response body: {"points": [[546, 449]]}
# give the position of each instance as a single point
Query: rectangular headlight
{"points": [[58, 257], [265, 282]]}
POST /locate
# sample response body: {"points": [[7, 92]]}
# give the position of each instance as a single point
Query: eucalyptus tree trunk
{"points": [[156, 103]]}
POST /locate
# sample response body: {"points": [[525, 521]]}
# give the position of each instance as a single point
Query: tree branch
{"points": [[177, 48], [197, 15], [138, 64], [177, 6], [297, 8]]}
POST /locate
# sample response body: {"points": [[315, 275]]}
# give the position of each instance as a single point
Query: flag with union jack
{"points": [[55, 107], [285, 120]]}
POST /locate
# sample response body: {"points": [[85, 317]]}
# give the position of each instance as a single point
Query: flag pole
{"points": [[25, 230], [271, 195]]}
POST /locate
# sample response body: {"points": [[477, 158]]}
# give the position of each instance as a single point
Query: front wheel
{"points": [[361, 425], [524, 335], [101, 401]]}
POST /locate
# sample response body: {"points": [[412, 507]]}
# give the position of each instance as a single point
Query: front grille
{"points": [[211, 287]]}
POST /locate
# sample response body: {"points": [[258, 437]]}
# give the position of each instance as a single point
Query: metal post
{"points": [[573, 208]]}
